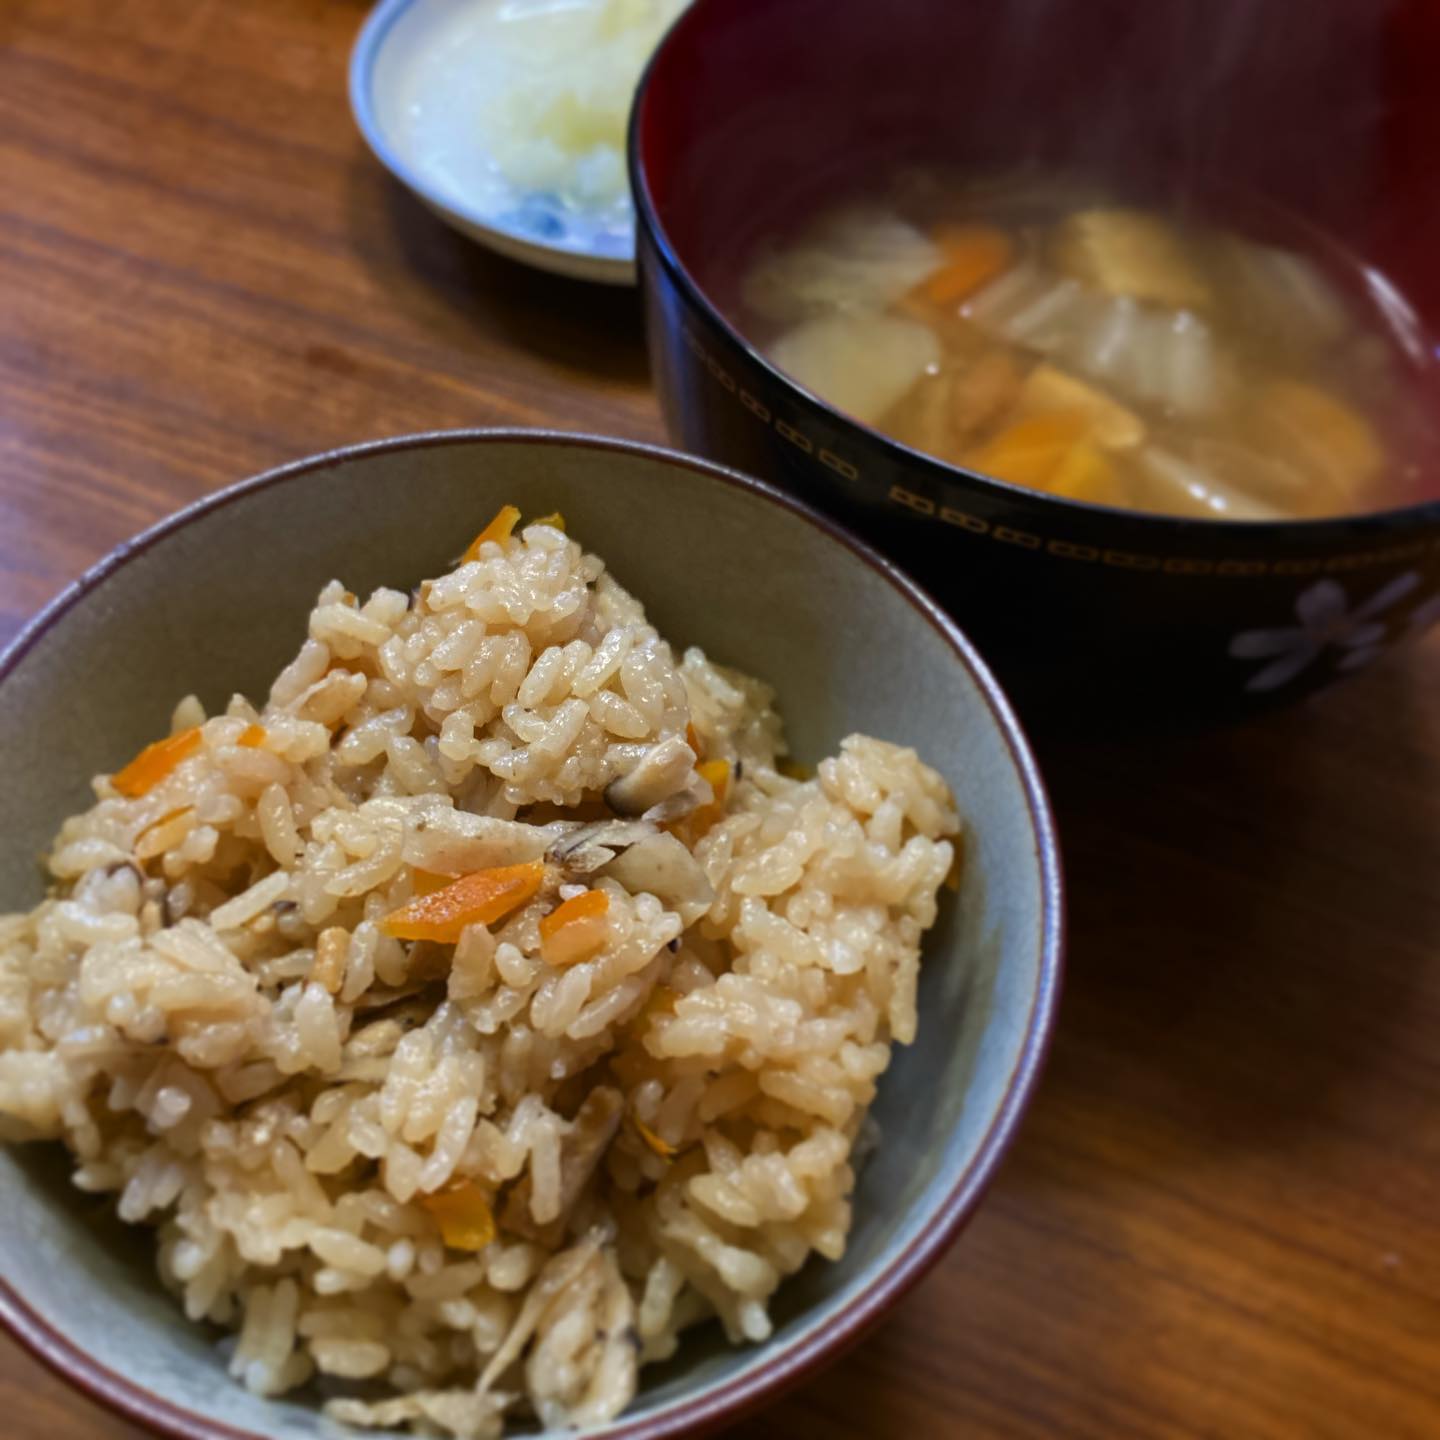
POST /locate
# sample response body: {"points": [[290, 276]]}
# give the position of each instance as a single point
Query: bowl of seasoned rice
{"points": [[548, 933]]}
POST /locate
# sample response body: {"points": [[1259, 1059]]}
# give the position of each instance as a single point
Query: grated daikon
{"points": [[563, 75]]}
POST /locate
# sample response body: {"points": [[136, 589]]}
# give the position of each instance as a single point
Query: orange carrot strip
{"points": [[155, 762], [973, 254], [586, 906], [481, 898], [427, 882], [662, 1148], [498, 530], [701, 820], [252, 737], [555, 520], [463, 1214], [574, 931], [717, 772]]}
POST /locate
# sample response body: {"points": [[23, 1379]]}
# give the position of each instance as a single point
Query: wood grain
{"points": [[1223, 1217]]}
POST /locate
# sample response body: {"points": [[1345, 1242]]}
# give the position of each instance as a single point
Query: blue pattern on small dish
{"points": [[546, 219]]}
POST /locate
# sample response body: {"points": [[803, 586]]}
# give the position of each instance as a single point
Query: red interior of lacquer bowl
{"points": [[757, 110]]}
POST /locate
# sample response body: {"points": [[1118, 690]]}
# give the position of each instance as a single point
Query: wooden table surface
{"points": [[1223, 1216]]}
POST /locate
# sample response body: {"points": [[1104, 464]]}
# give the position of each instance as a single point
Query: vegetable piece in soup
{"points": [[861, 362]]}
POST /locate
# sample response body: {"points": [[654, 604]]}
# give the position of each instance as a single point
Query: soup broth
{"points": [[1046, 333]]}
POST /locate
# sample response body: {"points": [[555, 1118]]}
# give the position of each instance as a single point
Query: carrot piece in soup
{"points": [[252, 737], [155, 762], [499, 530], [1322, 435], [1029, 451], [973, 254], [575, 930], [480, 898], [1085, 473]]}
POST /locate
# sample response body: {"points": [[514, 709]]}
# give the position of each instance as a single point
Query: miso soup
{"points": [[1048, 334]]}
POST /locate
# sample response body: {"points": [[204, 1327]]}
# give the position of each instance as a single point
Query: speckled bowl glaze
{"points": [[755, 113], [215, 599], [534, 228]]}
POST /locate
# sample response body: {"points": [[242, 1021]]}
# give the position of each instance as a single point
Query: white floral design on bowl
{"points": [[1326, 622], [1425, 614]]}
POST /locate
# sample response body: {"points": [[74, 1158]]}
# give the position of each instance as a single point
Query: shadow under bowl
{"points": [[755, 113], [215, 600]]}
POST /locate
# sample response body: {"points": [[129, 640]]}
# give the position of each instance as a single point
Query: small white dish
{"points": [[411, 109]]}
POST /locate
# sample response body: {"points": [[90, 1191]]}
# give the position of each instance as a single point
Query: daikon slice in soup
{"points": [[1047, 333]]}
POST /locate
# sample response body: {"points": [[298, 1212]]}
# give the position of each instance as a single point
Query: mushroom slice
{"points": [[586, 848], [661, 866], [667, 766], [681, 803]]}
